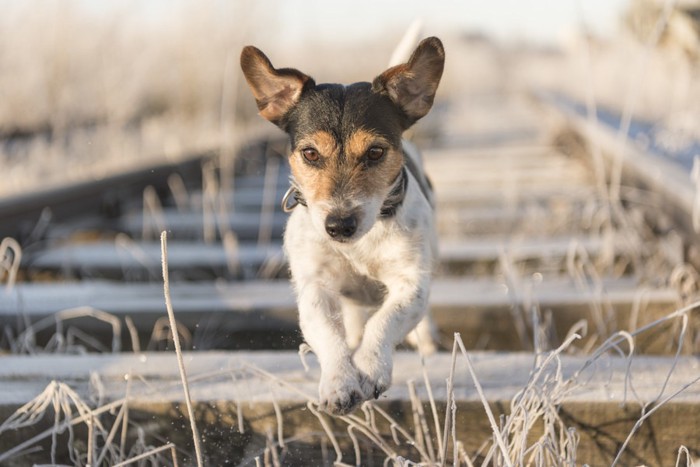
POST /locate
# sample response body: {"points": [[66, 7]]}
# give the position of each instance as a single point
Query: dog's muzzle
{"points": [[341, 228]]}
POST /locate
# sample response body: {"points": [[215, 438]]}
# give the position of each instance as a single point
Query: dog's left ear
{"points": [[412, 85], [276, 91]]}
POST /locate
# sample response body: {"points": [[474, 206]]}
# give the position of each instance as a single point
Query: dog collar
{"points": [[296, 198], [393, 201], [396, 196]]}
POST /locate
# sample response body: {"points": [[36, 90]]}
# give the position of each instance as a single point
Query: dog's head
{"points": [[346, 140]]}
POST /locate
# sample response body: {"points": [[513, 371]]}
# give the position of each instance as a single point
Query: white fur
{"points": [[350, 326]]}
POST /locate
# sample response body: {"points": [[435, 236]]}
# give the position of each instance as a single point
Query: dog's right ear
{"points": [[275, 91]]}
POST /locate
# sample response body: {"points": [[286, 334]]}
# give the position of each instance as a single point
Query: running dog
{"points": [[360, 239]]}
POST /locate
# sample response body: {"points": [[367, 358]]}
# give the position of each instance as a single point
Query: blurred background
{"points": [[90, 88], [120, 120]]}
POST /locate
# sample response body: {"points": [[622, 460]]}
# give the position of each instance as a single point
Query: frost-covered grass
{"points": [[88, 91], [656, 83], [532, 432]]}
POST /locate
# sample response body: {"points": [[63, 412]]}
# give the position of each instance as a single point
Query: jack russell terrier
{"points": [[361, 237]]}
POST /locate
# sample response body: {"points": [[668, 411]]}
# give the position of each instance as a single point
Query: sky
{"points": [[539, 21]]}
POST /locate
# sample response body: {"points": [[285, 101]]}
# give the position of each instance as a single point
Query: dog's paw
{"points": [[340, 392], [375, 372]]}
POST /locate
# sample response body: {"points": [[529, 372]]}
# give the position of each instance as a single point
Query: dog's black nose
{"points": [[341, 226]]}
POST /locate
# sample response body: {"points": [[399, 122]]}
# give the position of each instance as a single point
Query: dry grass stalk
{"points": [[280, 422], [10, 262], [230, 241], [58, 396], [355, 445], [178, 350], [134, 249], [448, 412], [180, 195], [153, 215], [647, 415], [592, 113], [62, 400], [515, 291], [210, 195], [632, 97], [150, 453], [326, 427], [133, 334], [433, 410], [683, 451], [25, 342], [271, 455], [538, 400], [395, 429], [420, 425], [118, 421], [124, 433], [163, 333], [496, 432], [239, 410]]}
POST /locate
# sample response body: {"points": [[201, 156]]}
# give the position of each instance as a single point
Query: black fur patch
{"points": [[341, 110]]}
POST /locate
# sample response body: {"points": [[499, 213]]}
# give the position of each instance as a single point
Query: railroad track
{"points": [[531, 250]]}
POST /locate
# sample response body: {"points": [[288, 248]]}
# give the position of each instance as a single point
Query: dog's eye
{"points": [[375, 153], [310, 154]]}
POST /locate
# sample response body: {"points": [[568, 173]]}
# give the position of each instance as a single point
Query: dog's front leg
{"points": [[321, 323], [405, 304]]}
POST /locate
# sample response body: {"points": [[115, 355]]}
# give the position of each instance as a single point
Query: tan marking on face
{"points": [[359, 143], [375, 179], [348, 178], [382, 175], [317, 182], [322, 141]]}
